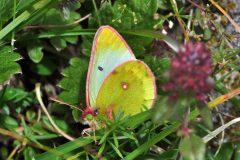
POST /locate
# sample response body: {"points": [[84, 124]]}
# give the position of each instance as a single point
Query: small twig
{"points": [[175, 9], [39, 114], [223, 98], [60, 26], [225, 114], [38, 94], [198, 6], [223, 135], [225, 14], [64, 103], [213, 134], [10, 157], [189, 22]]}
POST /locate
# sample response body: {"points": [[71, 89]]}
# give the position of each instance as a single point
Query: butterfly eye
{"points": [[100, 68], [95, 111]]}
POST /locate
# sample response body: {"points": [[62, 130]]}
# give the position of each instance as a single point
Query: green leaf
{"points": [[30, 115], [76, 115], [169, 155], [45, 136], [8, 122], [6, 9], [14, 94], [192, 147], [53, 18], [206, 115], [26, 129], [163, 4], [74, 82], [100, 151], [46, 67], [58, 43], [115, 140], [61, 123], [115, 148], [29, 153], [8, 65], [37, 128], [35, 53], [237, 152], [226, 152], [207, 34], [24, 4], [163, 111]]}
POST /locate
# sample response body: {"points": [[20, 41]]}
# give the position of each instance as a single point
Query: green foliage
{"points": [[5, 13], [53, 18], [8, 122], [35, 53], [8, 63], [159, 66], [125, 15], [74, 82]]}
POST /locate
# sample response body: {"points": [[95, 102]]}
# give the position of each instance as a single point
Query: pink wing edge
{"points": [[148, 70], [93, 52]]}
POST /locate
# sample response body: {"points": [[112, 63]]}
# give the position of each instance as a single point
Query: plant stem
{"points": [[23, 139], [38, 94], [96, 10], [14, 16], [10, 157]]}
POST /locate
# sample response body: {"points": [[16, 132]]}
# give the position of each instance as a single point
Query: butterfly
{"points": [[116, 80]]}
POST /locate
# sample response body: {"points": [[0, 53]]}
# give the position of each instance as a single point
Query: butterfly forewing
{"points": [[109, 51]]}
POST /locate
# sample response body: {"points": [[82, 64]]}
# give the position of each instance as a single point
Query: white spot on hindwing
{"points": [[124, 86]]}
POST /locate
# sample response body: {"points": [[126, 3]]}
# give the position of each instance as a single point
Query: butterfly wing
{"points": [[109, 50], [129, 87]]}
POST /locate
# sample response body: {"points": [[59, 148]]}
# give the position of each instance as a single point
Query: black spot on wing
{"points": [[100, 68]]}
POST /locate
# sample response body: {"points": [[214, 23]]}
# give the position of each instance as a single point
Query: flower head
{"points": [[190, 71]]}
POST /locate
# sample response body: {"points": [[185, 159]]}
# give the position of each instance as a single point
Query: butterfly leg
{"points": [[87, 131], [109, 112]]}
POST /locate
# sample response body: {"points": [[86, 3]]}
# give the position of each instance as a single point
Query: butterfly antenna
{"points": [[61, 102]]}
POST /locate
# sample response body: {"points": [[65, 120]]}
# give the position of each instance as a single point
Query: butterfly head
{"points": [[89, 113]]}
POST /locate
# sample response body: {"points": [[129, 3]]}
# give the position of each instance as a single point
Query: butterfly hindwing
{"points": [[129, 87]]}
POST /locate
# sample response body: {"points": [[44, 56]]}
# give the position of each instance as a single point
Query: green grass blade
{"points": [[23, 17], [65, 148], [154, 34], [144, 33], [168, 130]]}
